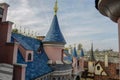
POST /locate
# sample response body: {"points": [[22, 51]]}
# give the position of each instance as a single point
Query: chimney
{"points": [[5, 32], [19, 71], [4, 6], [106, 60]]}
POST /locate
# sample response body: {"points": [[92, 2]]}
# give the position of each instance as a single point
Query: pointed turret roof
{"points": [[74, 53], [91, 57], [54, 34], [82, 53]]}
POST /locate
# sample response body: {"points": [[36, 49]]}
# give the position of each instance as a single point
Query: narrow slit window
{"points": [[29, 56]]}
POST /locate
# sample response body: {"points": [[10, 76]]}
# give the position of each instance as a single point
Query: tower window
{"points": [[78, 63], [117, 71], [54, 79], [58, 78], [98, 67], [29, 56]]}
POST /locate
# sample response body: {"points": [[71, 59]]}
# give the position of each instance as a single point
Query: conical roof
{"points": [[91, 57], [82, 53], [74, 53], [54, 34]]}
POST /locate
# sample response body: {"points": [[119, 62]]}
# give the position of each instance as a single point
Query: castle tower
{"points": [[106, 60], [82, 59], [54, 41], [91, 61], [74, 58]]}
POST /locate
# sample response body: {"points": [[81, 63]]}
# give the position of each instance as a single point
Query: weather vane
{"points": [[56, 7]]}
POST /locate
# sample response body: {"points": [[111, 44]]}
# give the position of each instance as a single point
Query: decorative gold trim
{"points": [[56, 7]]}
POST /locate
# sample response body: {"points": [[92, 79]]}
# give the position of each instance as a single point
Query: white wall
{"points": [[98, 72], [91, 67]]}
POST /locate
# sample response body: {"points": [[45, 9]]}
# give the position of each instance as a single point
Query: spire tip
{"points": [[56, 7]]}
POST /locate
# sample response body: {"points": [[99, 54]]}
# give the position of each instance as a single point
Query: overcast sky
{"points": [[79, 21]]}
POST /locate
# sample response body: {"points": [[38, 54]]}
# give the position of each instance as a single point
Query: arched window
{"points": [[77, 78], [78, 63], [58, 78], [98, 67], [117, 71], [29, 56], [54, 78]]}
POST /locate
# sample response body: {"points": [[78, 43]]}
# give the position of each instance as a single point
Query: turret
{"points": [[74, 57], [91, 61], [106, 60], [82, 59], [3, 11], [54, 41], [82, 53], [79, 47]]}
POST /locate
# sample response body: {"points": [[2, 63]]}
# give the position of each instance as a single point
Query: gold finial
{"points": [[56, 7]]}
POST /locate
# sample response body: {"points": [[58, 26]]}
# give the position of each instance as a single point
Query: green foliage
{"points": [[15, 30], [66, 48], [79, 46]]}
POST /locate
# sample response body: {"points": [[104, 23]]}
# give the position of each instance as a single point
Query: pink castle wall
{"points": [[74, 64], [54, 52], [81, 62], [78, 65]]}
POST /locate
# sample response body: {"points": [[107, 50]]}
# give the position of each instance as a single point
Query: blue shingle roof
{"points": [[81, 53], [20, 39], [39, 65], [74, 53], [54, 34], [36, 68]]}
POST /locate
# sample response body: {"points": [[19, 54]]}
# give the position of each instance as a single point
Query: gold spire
{"points": [[56, 7]]}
